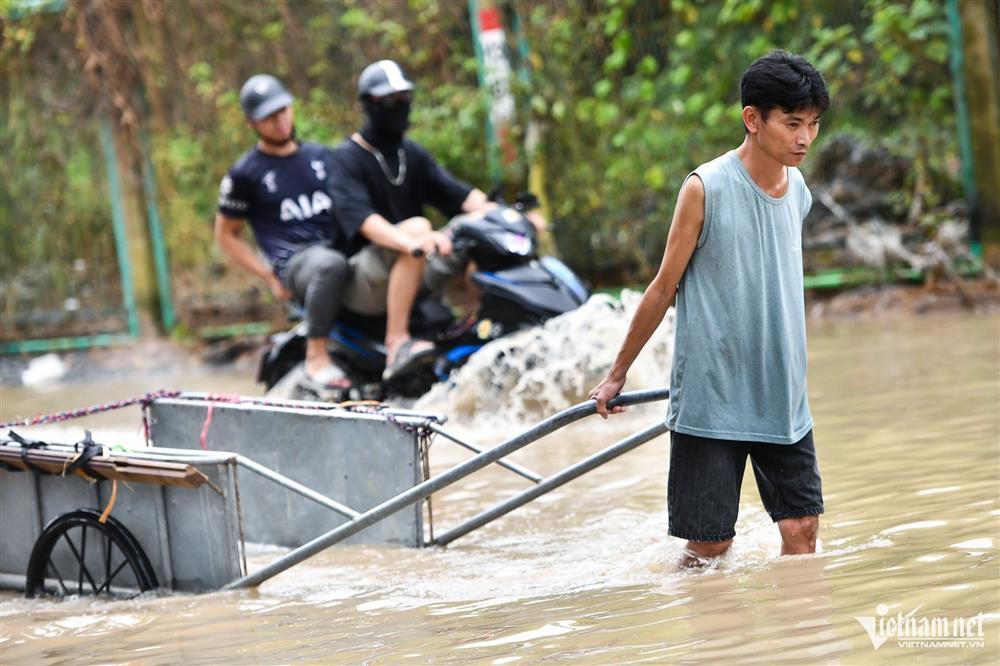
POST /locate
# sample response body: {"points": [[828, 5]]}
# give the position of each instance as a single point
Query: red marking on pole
{"points": [[489, 18]]}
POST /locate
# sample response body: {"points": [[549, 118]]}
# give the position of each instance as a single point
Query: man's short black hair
{"points": [[783, 80]]}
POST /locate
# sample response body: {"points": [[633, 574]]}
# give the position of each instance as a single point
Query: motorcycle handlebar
{"points": [[458, 244]]}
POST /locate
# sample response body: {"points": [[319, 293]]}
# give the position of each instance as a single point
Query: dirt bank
{"points": [[979, 295]]}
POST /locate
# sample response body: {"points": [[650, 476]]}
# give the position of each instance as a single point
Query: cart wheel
{"points": [[84, 556]]}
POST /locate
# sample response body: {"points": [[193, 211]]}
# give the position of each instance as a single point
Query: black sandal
{"points": [[407, 358]]}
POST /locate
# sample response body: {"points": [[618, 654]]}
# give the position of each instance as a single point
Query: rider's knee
{"points": [[332, 265], [415, 226]]}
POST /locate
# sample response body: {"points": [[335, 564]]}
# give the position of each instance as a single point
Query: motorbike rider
{"points": [[280, 186], [381, 183]]}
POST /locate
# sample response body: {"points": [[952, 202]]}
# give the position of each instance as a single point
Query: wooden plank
{"points": [[136, 470]]}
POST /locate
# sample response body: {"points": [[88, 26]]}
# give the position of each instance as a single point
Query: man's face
{"points": [[786, 136], [276, 129]]}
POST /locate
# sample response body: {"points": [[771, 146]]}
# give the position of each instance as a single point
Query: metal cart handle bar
{"points": [[460, 471]]}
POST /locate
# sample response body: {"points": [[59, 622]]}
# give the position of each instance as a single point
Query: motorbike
{"points": [[518, 289]]}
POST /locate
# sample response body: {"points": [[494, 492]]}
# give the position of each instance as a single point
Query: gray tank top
{"points": [[739, 370]]}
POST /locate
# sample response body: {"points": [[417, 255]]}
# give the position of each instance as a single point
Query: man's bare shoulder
{"points": [[691, 200], [692, 187]]}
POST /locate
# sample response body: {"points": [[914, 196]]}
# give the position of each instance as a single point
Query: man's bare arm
{"points": [[384, 233], [476, 200], [689, 218], [229, 238]]}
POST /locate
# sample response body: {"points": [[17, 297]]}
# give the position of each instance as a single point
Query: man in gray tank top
{"points": [[733, 265]]}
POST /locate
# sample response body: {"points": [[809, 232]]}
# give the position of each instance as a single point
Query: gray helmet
{"points": [[262, 95], [383, 78]]}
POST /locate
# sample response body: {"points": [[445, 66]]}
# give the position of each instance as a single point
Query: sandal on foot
{"points": [[411, 354], [329, 379]]}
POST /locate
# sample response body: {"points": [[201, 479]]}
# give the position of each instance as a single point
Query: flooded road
{"points": [[908, 434]]}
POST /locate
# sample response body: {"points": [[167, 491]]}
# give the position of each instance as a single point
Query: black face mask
{"points": [[388, 118]]}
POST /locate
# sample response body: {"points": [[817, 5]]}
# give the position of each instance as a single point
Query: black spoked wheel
{"points": [[77, 554]]}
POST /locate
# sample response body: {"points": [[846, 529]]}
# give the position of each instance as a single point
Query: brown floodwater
{"points": [[908, 433]]}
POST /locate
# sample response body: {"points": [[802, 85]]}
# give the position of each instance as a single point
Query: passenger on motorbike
{"points": [[281, 187], [380, 184]]}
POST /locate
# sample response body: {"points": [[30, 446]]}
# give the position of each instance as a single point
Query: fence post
{"points": [[533, 135], [131, 233], [494, 75], [975, 57], [160, 260]]}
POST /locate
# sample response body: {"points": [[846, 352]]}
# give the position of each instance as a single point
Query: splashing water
{"points": [[535, 373]]}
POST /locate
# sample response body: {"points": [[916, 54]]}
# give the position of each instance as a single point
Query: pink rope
{"points": [[212, 399], [204, 428], [87, 411]]}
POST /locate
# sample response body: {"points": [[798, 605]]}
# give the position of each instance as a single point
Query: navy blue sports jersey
{"points": [[359, 188], [285, 200]]}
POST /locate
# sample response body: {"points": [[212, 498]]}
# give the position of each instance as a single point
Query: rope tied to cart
{"points": [[27, 444], [365, 407], [212, 400], [70, 414], [421, 430], [86, 450], [80, 464]]}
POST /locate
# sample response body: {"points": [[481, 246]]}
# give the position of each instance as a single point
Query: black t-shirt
{"points": [[285, 199], [359, 188]]}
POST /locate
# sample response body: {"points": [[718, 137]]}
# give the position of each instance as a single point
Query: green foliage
{"points": [[54, 243], [655, 92], [627, 96]]}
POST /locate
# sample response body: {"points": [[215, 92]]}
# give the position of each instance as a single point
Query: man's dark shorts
{"points": [[703, 488]]}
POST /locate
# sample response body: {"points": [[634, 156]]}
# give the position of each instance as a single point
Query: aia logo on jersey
{"points": [[305, 207], [269, 182]]}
